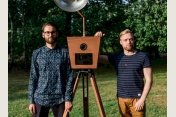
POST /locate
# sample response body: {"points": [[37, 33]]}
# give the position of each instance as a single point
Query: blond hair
{"points": [[125, 32]]}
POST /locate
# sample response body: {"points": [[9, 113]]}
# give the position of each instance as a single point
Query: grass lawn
{"points": [[106, 80]]}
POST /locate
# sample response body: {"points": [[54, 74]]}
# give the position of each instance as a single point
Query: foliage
{"points": [[147, 19], [107, 17]]}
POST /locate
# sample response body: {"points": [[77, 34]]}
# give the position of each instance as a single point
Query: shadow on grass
{"points": [[17, 85], [17, 92]]}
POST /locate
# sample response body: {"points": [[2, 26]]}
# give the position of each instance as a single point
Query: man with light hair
{"points": [[131, 66]]}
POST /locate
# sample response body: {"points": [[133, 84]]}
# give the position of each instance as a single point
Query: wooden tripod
{"points": [[86, 73]]}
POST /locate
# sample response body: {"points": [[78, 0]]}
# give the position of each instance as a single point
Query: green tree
{"points": [[148, 20], [25, 21]]}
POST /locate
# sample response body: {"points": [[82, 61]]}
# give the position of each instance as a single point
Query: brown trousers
{"points": [[126, 107]]}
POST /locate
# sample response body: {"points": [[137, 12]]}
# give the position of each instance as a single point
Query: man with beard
{"points": [[51, 77], [131, 67]]}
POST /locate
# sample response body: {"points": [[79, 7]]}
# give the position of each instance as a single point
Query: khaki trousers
{"points": [[126, 107]]}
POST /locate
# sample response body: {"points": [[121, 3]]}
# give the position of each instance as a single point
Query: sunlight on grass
{"points": [[156, 102]]}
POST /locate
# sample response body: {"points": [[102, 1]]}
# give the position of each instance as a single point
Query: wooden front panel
{"points": [[92, 43]]}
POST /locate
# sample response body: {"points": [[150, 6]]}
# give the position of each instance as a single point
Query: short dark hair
{"points": [[50, 24]]}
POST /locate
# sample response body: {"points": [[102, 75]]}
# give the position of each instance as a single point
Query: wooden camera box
{"points": [[83, 52]]}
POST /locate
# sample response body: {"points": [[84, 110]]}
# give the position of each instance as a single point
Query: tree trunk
{"points": [[11, 57], [68, 24], [157, 55], [24, 46]]}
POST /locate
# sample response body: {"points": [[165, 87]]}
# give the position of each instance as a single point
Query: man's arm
{"points": [[69, 86], [103, 59], [32, 83], [149, 79]]}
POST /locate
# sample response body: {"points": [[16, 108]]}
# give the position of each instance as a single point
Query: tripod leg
{"points": [[75, 86], [97, 96], [85, 95], [74, 91]]}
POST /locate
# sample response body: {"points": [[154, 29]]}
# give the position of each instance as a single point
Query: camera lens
{"points": [[83, 46]]}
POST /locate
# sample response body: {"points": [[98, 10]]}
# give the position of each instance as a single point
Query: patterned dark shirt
{"points": [[51, 77], [129, 70]]}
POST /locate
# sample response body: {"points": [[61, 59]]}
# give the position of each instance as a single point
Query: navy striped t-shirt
{"points": [[129, 69]]}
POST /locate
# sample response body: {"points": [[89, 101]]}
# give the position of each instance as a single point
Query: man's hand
{"points": [[32, 108], [139, 105], [99, 34], [68, 106]]}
